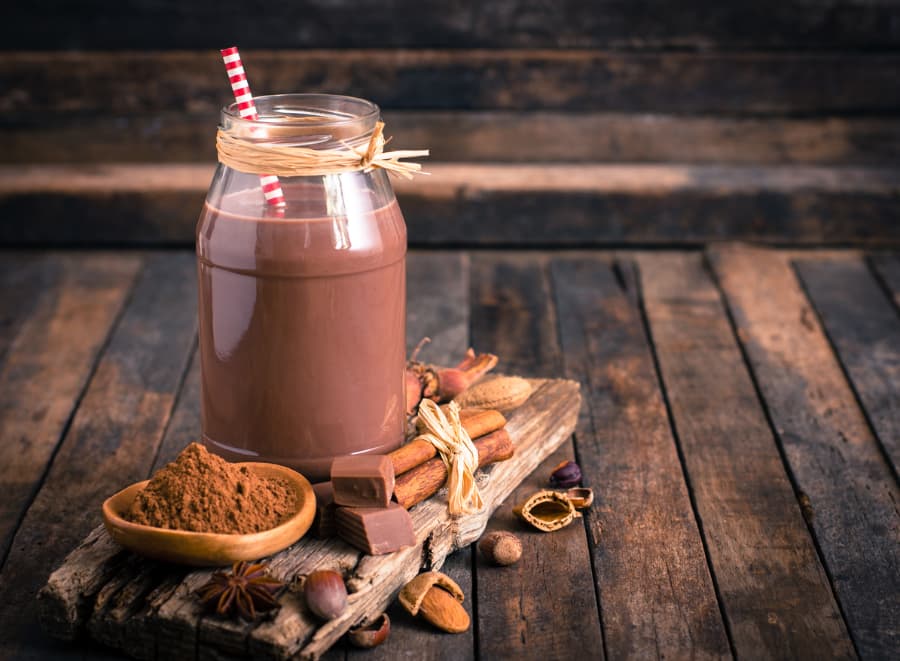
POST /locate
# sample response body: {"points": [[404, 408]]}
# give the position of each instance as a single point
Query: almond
{"points": [[503, 393], [443, 610], [438, 599]]}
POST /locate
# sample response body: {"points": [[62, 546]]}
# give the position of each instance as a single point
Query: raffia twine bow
{"points": [[459, 454], [257, 156]]}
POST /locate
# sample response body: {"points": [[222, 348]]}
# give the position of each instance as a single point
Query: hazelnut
{"points": [[371, 634], [326, 594], [501, 548], [565, 475]]}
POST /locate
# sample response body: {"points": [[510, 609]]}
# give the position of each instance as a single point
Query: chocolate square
{"points": [[376, 530], [363, 480]]}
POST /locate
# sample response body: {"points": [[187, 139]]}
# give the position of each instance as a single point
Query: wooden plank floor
{"points": [[740, 428]]}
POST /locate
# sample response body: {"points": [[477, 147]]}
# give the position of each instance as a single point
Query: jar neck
{"points": [[314, 121]]}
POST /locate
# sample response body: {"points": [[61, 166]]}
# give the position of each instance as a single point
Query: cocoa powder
{"points": [[202, 492]]}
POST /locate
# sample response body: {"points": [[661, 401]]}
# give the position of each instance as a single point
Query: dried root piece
{"points": [[442, 384]]}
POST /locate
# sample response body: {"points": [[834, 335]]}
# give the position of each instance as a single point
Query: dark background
{"points": [[553, 123]]}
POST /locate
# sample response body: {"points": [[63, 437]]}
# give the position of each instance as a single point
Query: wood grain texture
{"points": [[68, 305], [656, 593], [477, 205], [850, 493], [545, 603], [775, 594], [863, 326], [22, 277], [405, 23], [483, 136], [135, 82], [111, 440], [887, 267]]}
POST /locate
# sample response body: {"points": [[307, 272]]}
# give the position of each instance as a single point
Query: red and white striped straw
{"points": [[247, 109]]}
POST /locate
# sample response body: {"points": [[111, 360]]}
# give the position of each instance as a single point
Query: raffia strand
{"points": [[258, 157], [459, 454]]}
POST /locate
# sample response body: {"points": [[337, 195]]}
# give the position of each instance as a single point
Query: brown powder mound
{"points": [[202, 492]]}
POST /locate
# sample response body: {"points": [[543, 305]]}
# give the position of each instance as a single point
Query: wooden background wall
{"points": [[551, 123]]}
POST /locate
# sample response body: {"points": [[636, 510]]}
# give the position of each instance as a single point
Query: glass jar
{"points": [[302, 309]]}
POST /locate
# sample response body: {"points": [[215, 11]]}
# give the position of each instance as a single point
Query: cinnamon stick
{"points": [[477, 422], [423, 481]]}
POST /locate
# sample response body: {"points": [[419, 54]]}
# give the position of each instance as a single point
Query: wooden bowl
{"points": [[205, 548]]}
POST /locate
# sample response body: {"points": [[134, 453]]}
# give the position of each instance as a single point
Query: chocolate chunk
{"points": [[323, 524], [363, 480], [376, 530]]}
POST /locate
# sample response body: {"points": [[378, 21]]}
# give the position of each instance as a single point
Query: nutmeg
{"points": [[326, 594], [371, 634], [501, 548]]}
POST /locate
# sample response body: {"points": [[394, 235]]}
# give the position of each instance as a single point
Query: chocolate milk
{"points": [[302, 328]]}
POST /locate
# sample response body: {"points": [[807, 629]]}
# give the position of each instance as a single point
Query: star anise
{"points": [[246, 591]]}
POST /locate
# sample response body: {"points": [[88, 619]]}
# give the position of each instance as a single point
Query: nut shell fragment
{"points": [[547, 510], [580, 497], [413, 593], [372, 634]]}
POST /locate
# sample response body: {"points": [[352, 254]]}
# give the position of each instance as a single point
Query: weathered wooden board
{"points": [[111, 438], [92, 84], [552, 204], [887, 267], [863, 326], [544, 603], [22, 278], [483, 137], [848, 490], [48, 366], [406, 23], [656, 593], [844, 24], [775, 594], [80, 590]]}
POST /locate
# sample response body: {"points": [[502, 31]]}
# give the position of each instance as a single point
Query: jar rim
{"points": [[314, 110]]}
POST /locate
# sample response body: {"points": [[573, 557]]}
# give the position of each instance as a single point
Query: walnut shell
{"points": [[547, 510]]}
